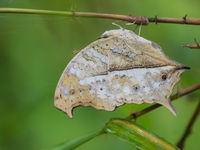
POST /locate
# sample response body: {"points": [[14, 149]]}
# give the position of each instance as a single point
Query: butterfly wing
{"points": [[74, 87], [119, 68]]}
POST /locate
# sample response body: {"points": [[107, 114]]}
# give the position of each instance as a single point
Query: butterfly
{"points": [[120, 67]]}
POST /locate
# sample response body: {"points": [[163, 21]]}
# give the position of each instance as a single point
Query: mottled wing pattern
{"points": [[133, 51], [89, 62], [119, 68]]}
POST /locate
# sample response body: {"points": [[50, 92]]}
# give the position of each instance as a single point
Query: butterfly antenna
{"points": [[117, 25], [140, 29], [130, 23]]}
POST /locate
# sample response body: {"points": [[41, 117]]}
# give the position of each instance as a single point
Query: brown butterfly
{"points": [[120, 67]]}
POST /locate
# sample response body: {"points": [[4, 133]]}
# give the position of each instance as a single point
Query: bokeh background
{"points": [[34, 51]]}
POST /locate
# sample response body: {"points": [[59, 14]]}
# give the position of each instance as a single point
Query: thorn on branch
{"points": [[156, 19], [193, 46], [184, 18]]}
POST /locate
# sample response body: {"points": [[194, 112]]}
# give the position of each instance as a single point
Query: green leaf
{"points": [[77, 142], [135, 134]]}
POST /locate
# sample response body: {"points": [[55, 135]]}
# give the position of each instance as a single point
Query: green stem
{"points": [[136, 19], [35, 11], [79, 141], [139, 20]]}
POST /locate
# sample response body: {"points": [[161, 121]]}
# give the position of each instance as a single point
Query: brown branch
{"points": [[174, 97], [139, 20], [188, 129], [194, 21], [129, 18], [193, 46]]}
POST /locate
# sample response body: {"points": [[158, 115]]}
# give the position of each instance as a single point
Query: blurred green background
{"points": [[34, 51]]}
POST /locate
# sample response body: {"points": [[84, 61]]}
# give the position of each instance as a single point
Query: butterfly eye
{"points": [[164, 77]]}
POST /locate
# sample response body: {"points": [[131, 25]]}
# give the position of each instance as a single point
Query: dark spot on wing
{"points": [[72, 91], [136, 87], [164, 77]]}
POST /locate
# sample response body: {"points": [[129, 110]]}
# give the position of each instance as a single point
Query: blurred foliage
{"points": [[74, 143], [135, 134], [34, 51]]}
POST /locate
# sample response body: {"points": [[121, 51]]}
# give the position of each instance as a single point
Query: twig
{"points": [[174, 97], [194, 21], [73, 144], [193, 46], [188, 129], [139, 20]]}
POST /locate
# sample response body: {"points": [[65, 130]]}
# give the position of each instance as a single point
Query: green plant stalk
{"points": [[135, 134], [35, 11], [79, 141], [139, 20], [128, 18]]}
